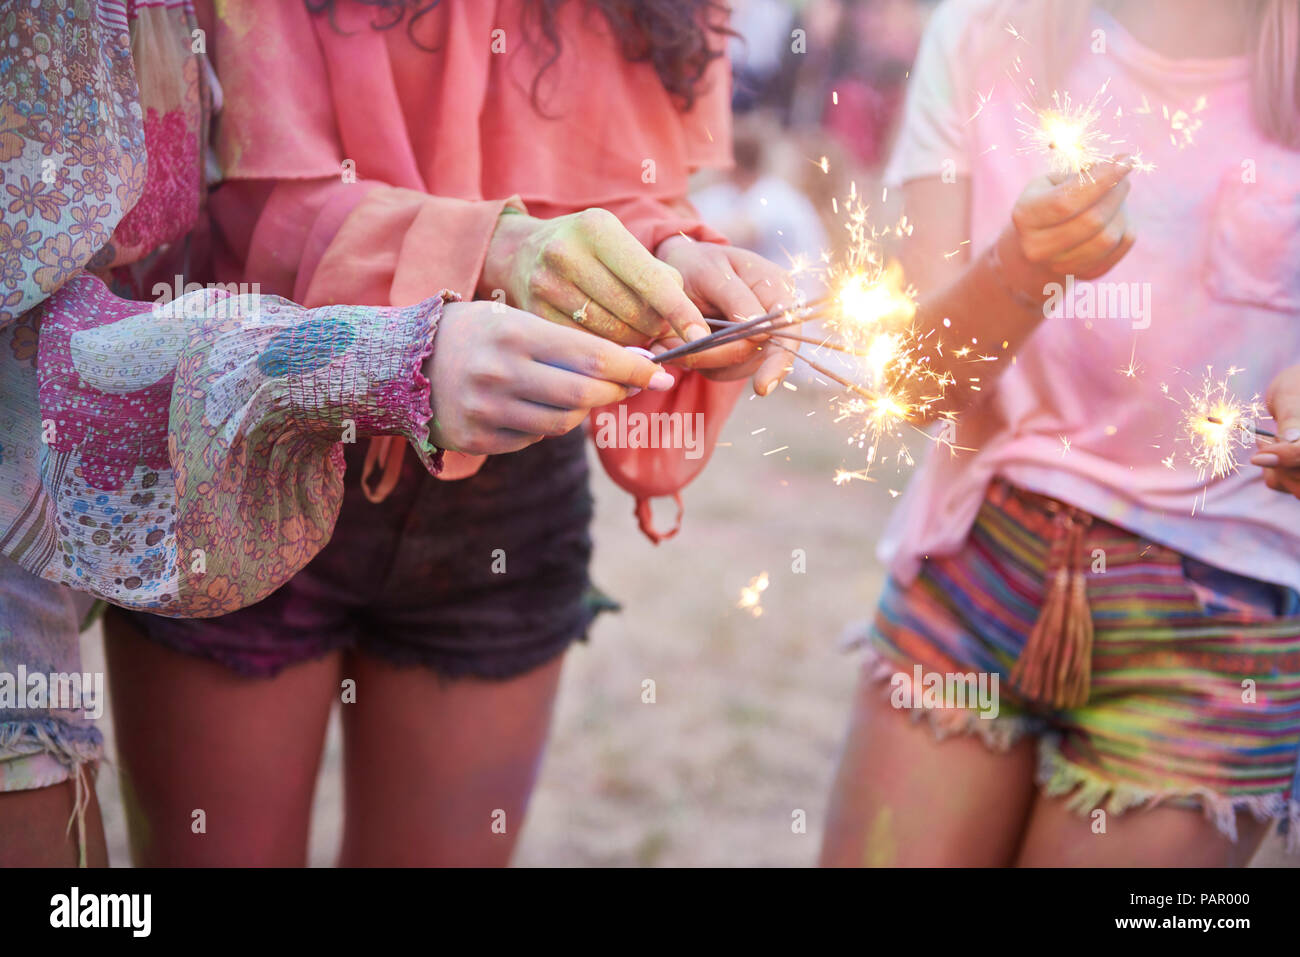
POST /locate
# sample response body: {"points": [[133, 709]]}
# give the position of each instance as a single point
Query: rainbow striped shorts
{"points": [[1193, 696]]}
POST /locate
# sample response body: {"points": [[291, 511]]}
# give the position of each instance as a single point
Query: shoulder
{"points": [[954, 20]]}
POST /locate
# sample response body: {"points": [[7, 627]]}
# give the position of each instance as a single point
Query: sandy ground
{"points": [[748, 712]]}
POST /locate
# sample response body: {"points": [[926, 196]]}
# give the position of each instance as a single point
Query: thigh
{"points": [[35, 831], [193, 736], [49, 744], [439, 772], [903, 798], [1162, 836]]}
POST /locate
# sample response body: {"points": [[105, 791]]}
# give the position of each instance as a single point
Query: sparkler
{"points": [[759, 325], [1067, 133], [873, 315], [1218, 425], [892, 383], [823, 343], [1249, 427]]}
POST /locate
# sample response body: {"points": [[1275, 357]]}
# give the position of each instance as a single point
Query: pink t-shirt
{"points": [[1216, 265]]}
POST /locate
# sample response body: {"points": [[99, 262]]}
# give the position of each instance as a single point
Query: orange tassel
{"points": [[1055, 666]]}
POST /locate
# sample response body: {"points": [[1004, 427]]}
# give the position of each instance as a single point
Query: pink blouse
{"points": [[361, 168]]}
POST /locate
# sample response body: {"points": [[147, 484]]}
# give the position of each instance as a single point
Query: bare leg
{"points": [[440, 773], [1160, 837], [902, 798], [34, 828], [195, 736]]}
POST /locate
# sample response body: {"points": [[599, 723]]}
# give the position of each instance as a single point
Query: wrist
{"points": [[1021, 279], [513, 225], [666, 246]]}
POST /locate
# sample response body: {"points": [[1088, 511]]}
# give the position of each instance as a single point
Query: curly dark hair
{"points": [[672, 35]]}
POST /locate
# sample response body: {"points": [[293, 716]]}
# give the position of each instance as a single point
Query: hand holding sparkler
{"points": [[504, 379], [1280, 459], [732, 283], [585, 270], [1076, 226]]}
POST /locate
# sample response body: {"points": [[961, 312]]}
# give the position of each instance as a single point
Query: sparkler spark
{"points": [[1218, 424], [871, 312], [844, 476], [1067, 133], [751, 596]]}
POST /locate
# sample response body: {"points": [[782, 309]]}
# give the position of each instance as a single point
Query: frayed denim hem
{"points": [[1085, 790], [70, 744], [78, 748], [998, 734]]}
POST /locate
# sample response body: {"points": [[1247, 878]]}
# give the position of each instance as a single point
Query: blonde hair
{"points": [[1276, 79], [1057, 31]]}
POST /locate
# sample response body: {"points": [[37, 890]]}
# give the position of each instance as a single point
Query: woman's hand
{"points": [[733, 284], [1077, 227], [1280, 458], [586, 270], [503, 379]]}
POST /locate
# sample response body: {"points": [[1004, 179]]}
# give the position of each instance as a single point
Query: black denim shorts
{"points": [[485, 576]]}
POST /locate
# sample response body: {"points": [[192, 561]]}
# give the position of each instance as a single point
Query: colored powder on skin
{"points": [[882, 848]]}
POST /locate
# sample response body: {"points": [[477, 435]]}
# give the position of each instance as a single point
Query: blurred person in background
{"points": [[847, 72], [762, 37], [758, 209]]}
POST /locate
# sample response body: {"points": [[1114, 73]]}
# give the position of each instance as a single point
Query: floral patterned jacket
{"points": [[179, 457]]}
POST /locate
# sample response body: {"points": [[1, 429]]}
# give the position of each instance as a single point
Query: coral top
{"points": [[361, 168]]}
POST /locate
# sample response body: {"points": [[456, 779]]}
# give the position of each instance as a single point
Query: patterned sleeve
{"points": [[191, 458]]}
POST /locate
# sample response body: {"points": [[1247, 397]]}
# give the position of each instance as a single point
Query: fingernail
{"points": [[1291, 435], [696, 331], [1266, 460], [639, 351], [766, 389], [662, 381], [635, 390]]}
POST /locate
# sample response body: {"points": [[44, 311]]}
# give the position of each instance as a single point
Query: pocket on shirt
{"points": [[1254, 250]]}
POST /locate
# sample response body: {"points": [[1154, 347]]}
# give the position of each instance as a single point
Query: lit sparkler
{"points": [[751, 596], [894, 384], [1218, 425], [1067, 133]]}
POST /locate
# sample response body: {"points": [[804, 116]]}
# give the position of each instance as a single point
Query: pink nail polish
{"points": [[645, 353], [1291, 435], [1266, 460], [662, 381]]}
